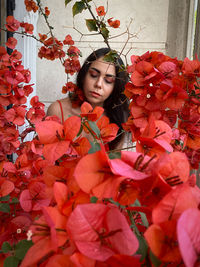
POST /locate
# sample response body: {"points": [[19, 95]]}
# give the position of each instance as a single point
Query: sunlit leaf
{"points": [[94, 147], [105, 32], [91, 25], [78, 7], [94, 127], [67, 2], [111, 56]]}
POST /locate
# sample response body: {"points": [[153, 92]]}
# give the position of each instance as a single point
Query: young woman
{"points": [[102, 83]]}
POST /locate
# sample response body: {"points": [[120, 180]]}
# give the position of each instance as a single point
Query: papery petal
{"points": [[174, 203], [26, 200], [60, 193], [124, 241], [48, 131], [71, 127], [188, 231]]}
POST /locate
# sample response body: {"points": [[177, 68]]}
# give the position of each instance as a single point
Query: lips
{"points": [[95, 94]]}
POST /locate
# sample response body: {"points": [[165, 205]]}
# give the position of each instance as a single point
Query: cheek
{"points": [[87, 83], [109, 90]]}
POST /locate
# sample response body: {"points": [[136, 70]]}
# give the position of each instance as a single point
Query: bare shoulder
{"points": [[55, 109]]}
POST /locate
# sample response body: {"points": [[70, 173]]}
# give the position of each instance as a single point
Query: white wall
{"points": [[150, 19]]}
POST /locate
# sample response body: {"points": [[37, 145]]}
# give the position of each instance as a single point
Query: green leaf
{"points": [[156, 262], [80, 131], [11, 262], [143, 247], [111, 56], [6, 247], [4, 207], [67, 2], [93, 199], [6, 198], [78, 7], [94, 147], [14, 200], [105, 32], [94, 128], [91, 25], [22, 247], [114, 155]]}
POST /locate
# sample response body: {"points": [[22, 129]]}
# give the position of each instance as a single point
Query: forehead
{"points": [[103, 67]]}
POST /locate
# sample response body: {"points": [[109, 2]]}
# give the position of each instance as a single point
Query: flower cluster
{"points": [[165, 104]]}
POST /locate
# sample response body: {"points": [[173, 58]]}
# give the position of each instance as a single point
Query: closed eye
{"points": [[93, 73], [109, 79]]}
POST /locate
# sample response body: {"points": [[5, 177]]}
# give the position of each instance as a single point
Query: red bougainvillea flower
{"points": [[16, 55], [57, 137], [16, 115], [27, 27], [12, 24], [99, 231], [168, 69], [28, 89], [35, 197], [47, 11], [100, 11], [114, 23], [174, 168], [175, 98], [11, 43], [73, 51], [188, 230], [69, 87], [68, 40], [6, 187], [99, 176], [65, 203], [155, 139], [175, 203], [43, 37], [81, 145], [31, 5], [48, 235], [144, 72], [93, 175], [36, 113], [191, 68], [162, 240], [108, 131], [90, 113], [72, 65], [14, 77]]}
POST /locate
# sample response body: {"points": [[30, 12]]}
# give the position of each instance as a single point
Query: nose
{"points": [[99, 81]]}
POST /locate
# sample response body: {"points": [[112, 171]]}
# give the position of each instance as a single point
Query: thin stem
{"points": [[46, 20], [119, 149], [97, 23], [24, 34]]}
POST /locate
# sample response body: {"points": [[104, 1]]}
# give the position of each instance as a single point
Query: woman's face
{"points": [[99, 82]]}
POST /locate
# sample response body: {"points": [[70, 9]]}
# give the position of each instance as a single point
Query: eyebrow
{"points": [[107, 74]]}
